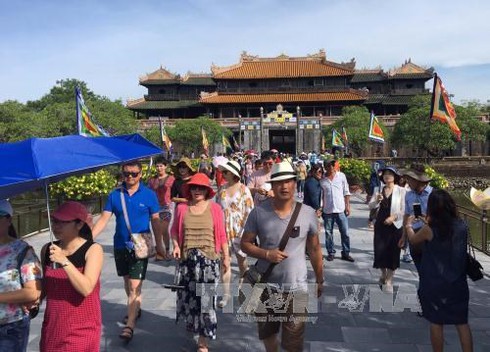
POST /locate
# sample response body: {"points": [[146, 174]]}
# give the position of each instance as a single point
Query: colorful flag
{"points": [[441, 108], [375, 132], [85, 123], [235, 144], [226, 143], [344, 136], [337, 139], [166, 143], [205, 142]]}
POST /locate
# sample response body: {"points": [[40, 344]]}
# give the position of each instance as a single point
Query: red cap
{"points": [[72, 210]]}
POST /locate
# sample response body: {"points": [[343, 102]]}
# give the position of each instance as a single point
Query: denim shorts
{"points": [[15, 336]]}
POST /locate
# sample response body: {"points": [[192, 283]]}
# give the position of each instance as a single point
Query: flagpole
{"points": [[79, 130]]}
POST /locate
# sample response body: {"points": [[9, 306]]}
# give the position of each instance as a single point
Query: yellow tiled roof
{"points": [[215, 98], [283, 66], [159, 75]]}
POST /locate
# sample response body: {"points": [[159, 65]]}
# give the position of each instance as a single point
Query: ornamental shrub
{"points": [[99, 183], [357, 171], [438, 180]]}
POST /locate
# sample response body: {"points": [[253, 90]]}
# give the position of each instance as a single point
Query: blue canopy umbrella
{"points": [[37, 162]]}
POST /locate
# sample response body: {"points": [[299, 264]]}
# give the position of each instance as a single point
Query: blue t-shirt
{"points": [[141, 205], [414, 197]]}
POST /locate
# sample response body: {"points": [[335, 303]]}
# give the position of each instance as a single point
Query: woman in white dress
{"points": [[237, 203]]}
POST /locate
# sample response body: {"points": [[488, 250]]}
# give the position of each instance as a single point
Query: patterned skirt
{"points": [[195, 307]]}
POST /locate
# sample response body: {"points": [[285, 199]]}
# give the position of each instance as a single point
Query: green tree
{"points": [[415, 130], [187, 133], [58, 108], [355, 119], [18, 122]]}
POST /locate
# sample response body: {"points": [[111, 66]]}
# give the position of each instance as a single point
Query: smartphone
{"points": [[417, 210]]}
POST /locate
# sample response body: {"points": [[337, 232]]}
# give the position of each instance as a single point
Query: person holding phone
{"points": [[416, 201]]}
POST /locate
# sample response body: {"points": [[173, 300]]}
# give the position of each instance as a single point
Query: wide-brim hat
{"points": [[198, 179], [231, 166], [70, 211], [392, 169], [417, 175], [185, 161], [282, 171]]}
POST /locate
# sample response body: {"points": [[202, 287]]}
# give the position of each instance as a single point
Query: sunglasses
{"points": [[198, 188], [132, 174]]}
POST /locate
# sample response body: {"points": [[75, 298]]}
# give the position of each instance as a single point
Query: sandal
{"points": [[224, 301], [160, 257], [125, 320], [126, 333]]}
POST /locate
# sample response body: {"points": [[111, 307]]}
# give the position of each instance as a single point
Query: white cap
{"points": [[5, 207]]}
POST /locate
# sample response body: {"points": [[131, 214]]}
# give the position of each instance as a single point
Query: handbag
{"points": [[142, 242], [474, 269], [33, 309], [257, 281]]}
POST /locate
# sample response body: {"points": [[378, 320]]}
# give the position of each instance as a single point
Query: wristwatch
{"points": [[65, 263]]}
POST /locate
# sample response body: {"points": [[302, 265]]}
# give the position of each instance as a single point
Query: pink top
{"points": [[162, 190], [177, 230]]}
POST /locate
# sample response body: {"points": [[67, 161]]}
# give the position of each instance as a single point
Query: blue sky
{"points": [[110, 44]]}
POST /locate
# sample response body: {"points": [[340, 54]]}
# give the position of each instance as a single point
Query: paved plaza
{"points": [[348, 319]]}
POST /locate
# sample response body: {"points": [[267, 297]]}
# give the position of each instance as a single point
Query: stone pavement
{"points": [[346, 322]]}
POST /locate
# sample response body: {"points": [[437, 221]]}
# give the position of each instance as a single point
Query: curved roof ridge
{"points": [[159, 74]]}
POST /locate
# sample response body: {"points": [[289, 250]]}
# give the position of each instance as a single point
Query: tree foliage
{"points": [[355, 119], [187, 133], [415, 130], [55, 114]]}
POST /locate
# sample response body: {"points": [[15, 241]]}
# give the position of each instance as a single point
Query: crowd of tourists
{"points": [[268, 209]]}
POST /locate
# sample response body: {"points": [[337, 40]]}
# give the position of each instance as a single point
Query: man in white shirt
{"points": [[336, 208]]}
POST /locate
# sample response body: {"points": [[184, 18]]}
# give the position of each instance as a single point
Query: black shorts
{"points": [[128, 265]]}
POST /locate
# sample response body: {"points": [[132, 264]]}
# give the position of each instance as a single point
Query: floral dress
{"points": [[236, 209], [10, 276]]}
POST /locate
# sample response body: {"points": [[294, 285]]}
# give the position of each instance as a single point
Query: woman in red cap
{"points": [[199, 240], [72, 266]]}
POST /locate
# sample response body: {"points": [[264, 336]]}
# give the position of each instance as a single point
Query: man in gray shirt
{"points": [[267, 223]]}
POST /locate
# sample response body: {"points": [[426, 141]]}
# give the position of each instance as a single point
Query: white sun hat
{"points": [[282, 171], [231, 166]]}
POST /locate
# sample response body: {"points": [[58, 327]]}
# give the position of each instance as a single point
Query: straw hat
{"points": [[199, 179], [282, 171], [231, 166], [185, 161]]}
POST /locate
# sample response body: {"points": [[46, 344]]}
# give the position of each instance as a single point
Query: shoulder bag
{"points": [[255, 279], [142, 242], [474, 269]]}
